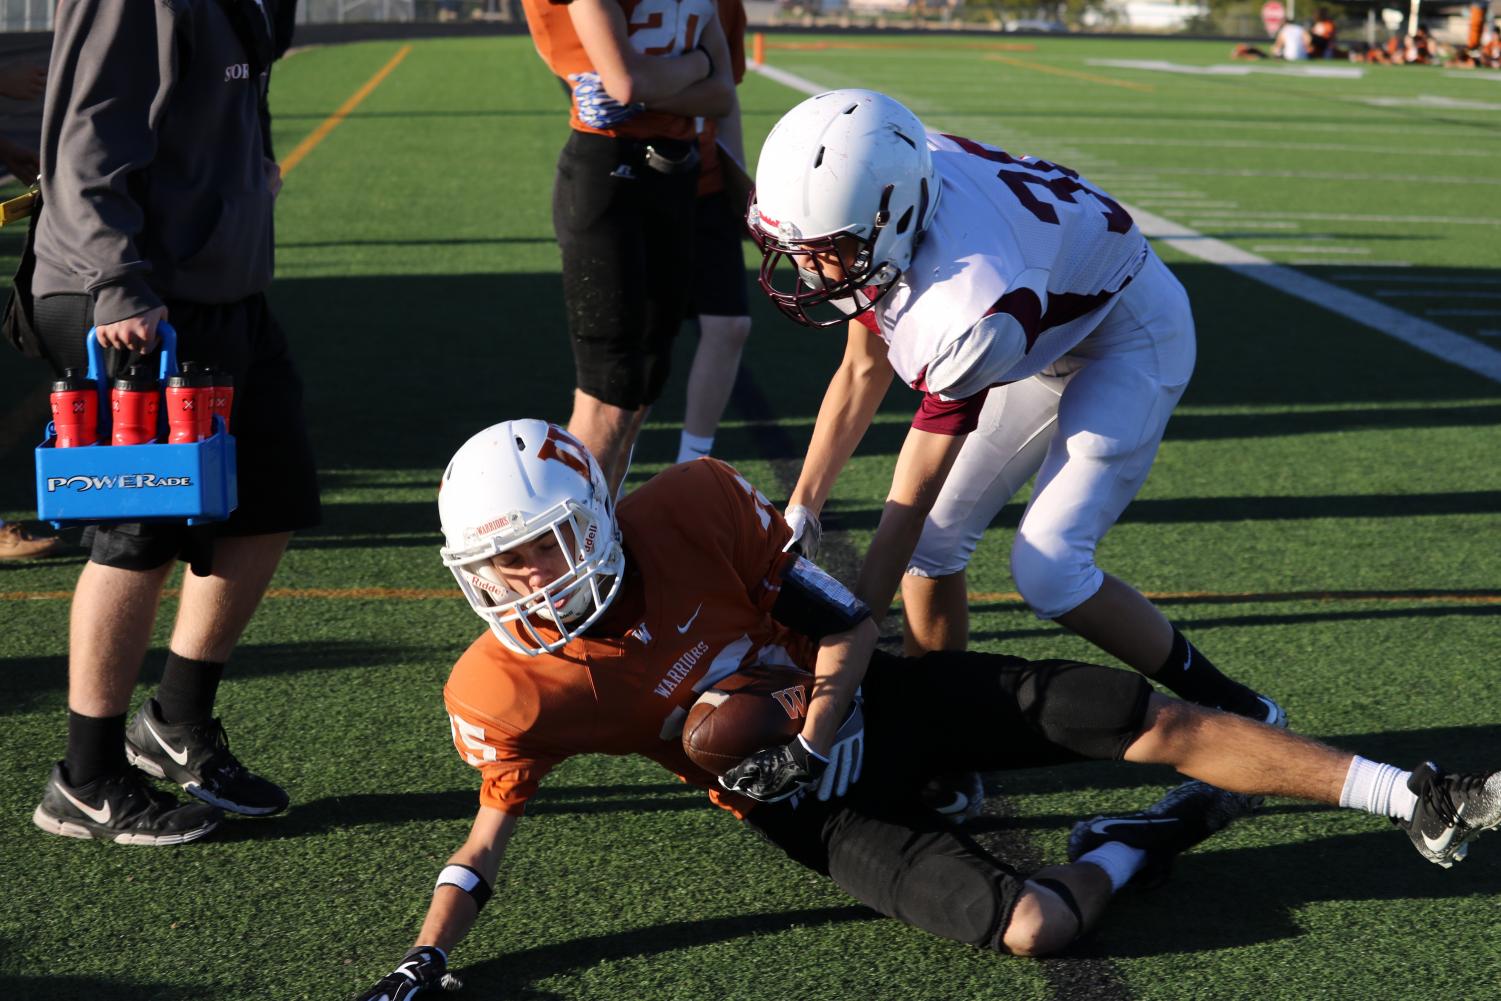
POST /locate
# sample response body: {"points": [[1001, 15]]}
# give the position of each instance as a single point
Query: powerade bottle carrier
{"points": [[192, 481]]}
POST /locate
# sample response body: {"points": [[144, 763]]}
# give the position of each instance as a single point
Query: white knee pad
{"points": [[1053, 576]]}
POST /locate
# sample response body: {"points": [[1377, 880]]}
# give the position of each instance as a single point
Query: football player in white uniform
{"points": [[1045, 336]]}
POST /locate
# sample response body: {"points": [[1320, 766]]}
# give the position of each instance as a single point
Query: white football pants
{"points": [[1089, 427]]}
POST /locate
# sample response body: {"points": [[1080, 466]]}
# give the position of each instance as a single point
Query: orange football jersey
{"points": [[704, 564], [654, 27]]}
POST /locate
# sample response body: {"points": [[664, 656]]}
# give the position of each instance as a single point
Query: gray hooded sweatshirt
{"points": [[153, 178]]}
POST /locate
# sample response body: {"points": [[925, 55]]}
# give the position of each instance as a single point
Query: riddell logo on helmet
{"points": [[589, 538], [489, 587]]}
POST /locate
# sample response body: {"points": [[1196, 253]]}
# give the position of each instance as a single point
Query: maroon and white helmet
{"points": [[512, 483], [849, 163]]}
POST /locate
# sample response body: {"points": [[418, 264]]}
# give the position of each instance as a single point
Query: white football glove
{"points": [[845, 756], [806, 532]]}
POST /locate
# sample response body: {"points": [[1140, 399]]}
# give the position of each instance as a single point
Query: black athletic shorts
{"points": [[626, 235], [718, 260], [276, 476], [940, 713]]}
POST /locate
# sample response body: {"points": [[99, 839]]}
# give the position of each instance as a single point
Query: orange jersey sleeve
{"points": [[710, 172], [654, 28]]}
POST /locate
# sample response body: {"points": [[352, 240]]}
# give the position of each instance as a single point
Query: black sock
{"points": [[1193, 676], [96, 748], [188, 689]]}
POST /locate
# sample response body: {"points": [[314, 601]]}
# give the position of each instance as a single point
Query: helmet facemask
{"points": [[567, 605], [866, 268]]}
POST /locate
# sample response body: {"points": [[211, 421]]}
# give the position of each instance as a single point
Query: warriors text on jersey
{"points": [[1028, 246], [654, 27], [704, 564]]}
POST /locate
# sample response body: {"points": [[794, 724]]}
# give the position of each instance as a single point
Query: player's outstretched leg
{"points": [[1441, 813], [1141, 846]]}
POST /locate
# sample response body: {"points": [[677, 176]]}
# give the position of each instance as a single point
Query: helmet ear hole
{"points": [[904, 221]]}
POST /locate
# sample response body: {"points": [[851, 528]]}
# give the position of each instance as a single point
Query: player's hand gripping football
{"points": [[807, 533], [777, 773], [597, 109], [423, 968]]}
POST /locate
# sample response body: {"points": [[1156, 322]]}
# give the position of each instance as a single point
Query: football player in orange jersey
{"points": [[605, 628], [641, 71]]}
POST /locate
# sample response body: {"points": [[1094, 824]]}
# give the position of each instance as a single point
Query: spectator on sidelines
{"points": [[1291, 43], [158, 198], [719, 296], [623, 199], [1321, 37]]}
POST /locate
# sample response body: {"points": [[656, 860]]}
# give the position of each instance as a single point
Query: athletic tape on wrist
{"points": [[467, 879]]}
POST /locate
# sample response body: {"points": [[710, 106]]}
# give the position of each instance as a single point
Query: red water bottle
{"points": [[75, 409], [133, 402], [190, 404], [224, 396]]}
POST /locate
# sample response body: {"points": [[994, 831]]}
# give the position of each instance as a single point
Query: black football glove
{"points": [[422, 968], [777, 773]]}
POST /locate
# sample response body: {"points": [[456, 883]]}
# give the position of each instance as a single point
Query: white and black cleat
{"points": [[196, 756], [1452, 811], [123, 809]]}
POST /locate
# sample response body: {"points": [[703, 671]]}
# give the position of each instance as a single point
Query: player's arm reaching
{"points": [[849, 405], [464, 885], [921, 469]]}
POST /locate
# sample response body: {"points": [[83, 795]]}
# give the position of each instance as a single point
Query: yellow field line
{"points": [[330, 123], [975, 597], [1059, 71]]}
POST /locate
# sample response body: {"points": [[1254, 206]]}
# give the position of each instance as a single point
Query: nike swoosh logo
{"points": [[1436, 845], [181, 757], [685, 626], [1104, 826], [98, 816]]}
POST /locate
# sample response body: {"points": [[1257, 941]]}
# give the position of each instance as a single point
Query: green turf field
{"points": [[1323, 520]]}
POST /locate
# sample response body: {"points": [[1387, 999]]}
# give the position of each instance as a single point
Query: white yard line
{"points": [[1422, 334], [1241, 224], [1280, 148], [1442, 220], [1306, 248]]}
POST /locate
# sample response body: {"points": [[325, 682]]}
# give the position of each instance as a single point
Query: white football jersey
{"points": [[1029, 247]]}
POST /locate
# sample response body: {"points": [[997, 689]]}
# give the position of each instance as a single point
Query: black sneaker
{"points": [[1452, 810], [196, 756], [122, 809], [1175, 823], [957, 796]]}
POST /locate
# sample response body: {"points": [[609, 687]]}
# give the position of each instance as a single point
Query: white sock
{"points": [[693, 446], [1120, 862], [1379, 789]]}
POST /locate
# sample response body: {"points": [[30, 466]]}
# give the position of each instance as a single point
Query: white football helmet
{"points": [[510, 484], [851, 163]]}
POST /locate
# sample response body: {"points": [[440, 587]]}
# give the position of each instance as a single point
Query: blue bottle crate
{"points": [[193, 482]]}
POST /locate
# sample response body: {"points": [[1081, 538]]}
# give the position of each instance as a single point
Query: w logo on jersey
{"points": [[794, 700]]}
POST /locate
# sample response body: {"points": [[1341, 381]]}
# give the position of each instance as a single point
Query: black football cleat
{"points": [[196, 756], [1175, 823], [955, 796], [1452, 810], [123, 809]]}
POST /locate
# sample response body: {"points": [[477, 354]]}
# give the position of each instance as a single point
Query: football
{"points": [[758, 707]]}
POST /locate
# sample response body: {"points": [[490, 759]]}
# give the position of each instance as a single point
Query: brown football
{"points": [[758, 707]]}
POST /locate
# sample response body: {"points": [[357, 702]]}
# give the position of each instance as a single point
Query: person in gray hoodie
{"points": [[157, 189]]}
